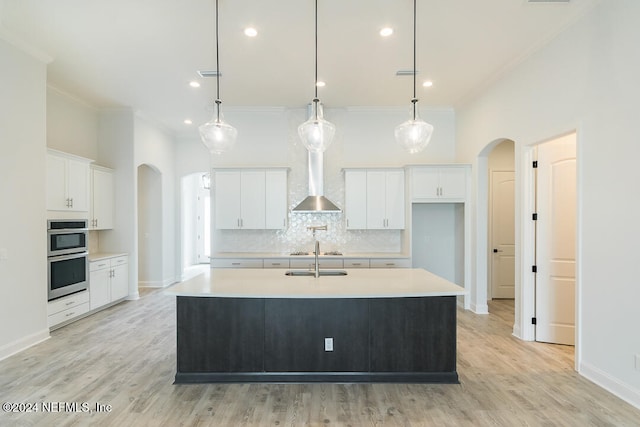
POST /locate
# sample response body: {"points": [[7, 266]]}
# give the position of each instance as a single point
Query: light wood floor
{"points": [[125, 357]]}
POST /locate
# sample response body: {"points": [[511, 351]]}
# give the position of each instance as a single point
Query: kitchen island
{"points": [[259, 325]]}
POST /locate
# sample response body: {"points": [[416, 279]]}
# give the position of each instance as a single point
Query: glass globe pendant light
{"points": [[316, 133], [414, 134], [217, 135]]}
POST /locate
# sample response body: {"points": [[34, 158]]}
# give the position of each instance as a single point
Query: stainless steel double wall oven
{"points": [[67, 257]]}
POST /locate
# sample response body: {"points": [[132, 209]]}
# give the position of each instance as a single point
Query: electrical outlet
{"points": [[4, 254], [328, 344], [637, 360]]}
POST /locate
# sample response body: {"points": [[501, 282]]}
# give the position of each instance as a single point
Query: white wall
{"points": [[23, 253], [585, 80], [72, 125]]}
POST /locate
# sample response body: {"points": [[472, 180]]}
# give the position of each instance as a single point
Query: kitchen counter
{"points": [[358, 283], [98, 256], [258, 325]]}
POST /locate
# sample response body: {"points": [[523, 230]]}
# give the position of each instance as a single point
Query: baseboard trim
{"points": [[480, 308], [611, 384], [23, 343]]}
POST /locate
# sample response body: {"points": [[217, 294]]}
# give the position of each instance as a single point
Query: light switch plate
{"points": [[4, 254], [637, 360]]}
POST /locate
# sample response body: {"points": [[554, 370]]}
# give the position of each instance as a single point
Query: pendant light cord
{"points": [[218, 101], [414, 100]]}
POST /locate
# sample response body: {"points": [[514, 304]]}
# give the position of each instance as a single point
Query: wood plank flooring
{"points": [[125, 357]]}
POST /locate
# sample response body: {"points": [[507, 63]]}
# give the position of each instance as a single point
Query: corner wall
{"points": [[23, 253]]}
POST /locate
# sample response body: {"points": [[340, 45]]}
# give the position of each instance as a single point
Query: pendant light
{"points": [[414, 134], [316, 133], [217, 135]]}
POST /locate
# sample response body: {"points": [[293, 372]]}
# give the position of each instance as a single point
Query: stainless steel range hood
{"points": [[315, 201]]}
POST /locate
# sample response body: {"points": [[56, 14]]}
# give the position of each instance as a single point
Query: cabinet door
{"points": [[355, 203], [227, 199], [78, 185], [56, 183], [453, 183], [276, 199], [252, 200], [119, 282], [99, 287], [394, 184], [425, 183], [376, 200], [102, 200]]}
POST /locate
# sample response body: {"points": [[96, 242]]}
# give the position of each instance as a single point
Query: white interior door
{"points": [[503, 275], [556, 241]]}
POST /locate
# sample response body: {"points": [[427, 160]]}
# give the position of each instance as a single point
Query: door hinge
{"points": [[534, 217], [534, 321], [535, 164], [534, 268]]}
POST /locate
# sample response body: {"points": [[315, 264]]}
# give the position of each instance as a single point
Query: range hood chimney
{"points": [[315, 201]]}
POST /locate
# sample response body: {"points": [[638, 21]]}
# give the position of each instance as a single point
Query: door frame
{"points": [[524, 237], [527, 278]]}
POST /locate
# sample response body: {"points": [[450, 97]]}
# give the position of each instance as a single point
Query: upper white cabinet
{"points": [[250, 199], [374, 199], [102, 198], [67, 182], [439, 183]]}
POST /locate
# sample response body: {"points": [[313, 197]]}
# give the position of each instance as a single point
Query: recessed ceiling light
{"points": [[187, 121], [321, 84], [428, 83], [194, 84], [250, 32], [386, 31]]}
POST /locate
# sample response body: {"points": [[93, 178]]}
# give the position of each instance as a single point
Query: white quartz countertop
{"points": [[358, 283], [97, 256]]}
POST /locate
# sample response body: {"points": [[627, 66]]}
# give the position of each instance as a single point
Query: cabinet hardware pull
{"points": [[357, 263], [235, 263], [70, 303], [70, 314]]}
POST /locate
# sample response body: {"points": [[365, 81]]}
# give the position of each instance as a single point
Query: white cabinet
{"points": [[355, 203], [102, 198], [108, 281], [236, 263], [439, 183], [65, 309], [67, 182], [390, 263], [250, 199], [374, 199]]}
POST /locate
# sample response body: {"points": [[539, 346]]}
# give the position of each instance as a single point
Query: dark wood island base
{"points": [[282, 340]]}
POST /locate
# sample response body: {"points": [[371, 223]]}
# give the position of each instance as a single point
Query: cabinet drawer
{"points": [[68, 314], [119, 260], [236, 263], [310, 263], [67, 302], [276, 263], [356, 263], [390, 263], [99, 265]]}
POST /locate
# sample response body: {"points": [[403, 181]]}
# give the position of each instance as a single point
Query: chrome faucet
{"points": [[317, 248]]}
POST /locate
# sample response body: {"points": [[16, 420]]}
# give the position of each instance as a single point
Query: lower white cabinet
{"points": [[67, 308], [236, 263], [108, 280], [390, 263]]}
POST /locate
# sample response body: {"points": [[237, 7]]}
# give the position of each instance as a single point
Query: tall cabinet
{"points": [[101, 215]]}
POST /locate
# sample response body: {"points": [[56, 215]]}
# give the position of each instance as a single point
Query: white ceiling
{"points": [[143, 53]]}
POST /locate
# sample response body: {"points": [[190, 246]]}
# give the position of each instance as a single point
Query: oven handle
{"points": [[67, 257], [67, 230]]}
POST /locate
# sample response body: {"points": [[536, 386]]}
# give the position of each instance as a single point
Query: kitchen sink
{"points": [[312, 273]]}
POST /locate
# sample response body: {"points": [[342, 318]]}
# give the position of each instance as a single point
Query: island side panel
{"points": [[220, 334], [295, 332], [413, 334]]}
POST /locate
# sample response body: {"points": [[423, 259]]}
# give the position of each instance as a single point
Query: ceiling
{"points": [[143, 53]]}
